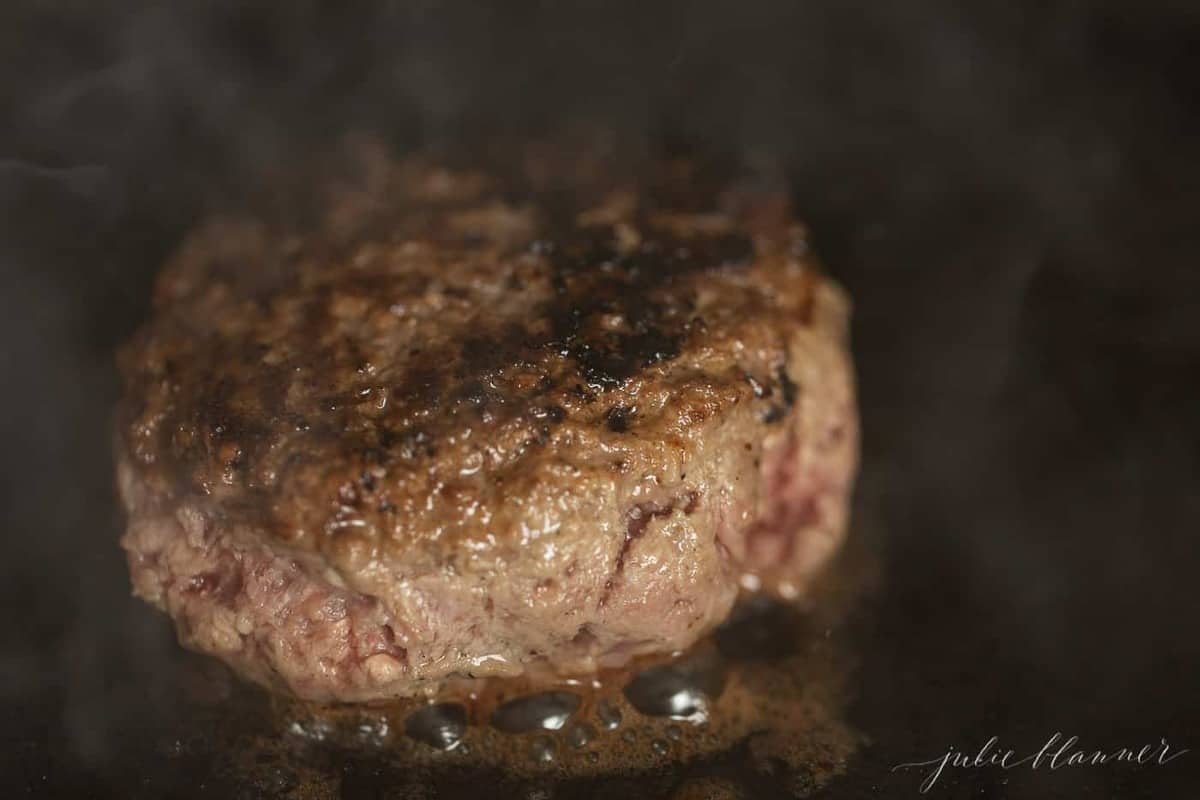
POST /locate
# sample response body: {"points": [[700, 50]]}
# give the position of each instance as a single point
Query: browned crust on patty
{"points": [[474, 424]]}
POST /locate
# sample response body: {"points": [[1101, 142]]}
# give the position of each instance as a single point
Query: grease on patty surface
{"points": [[484, 423]]}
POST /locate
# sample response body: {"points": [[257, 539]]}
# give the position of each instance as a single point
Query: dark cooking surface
{"points": [[1010, 198]]}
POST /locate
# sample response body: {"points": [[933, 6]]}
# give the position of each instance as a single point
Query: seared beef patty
{"points": [[483, 423]]}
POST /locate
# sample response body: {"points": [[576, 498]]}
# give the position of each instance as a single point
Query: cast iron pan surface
{"points": [[1009, 194]]}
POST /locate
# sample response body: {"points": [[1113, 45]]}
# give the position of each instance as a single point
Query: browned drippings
{"points": [[772, 681]]}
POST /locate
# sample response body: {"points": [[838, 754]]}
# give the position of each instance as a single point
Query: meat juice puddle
{"points": [[767, 690]]}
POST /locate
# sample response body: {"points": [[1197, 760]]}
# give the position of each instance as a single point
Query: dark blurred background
{"points": [[1009, 190]]}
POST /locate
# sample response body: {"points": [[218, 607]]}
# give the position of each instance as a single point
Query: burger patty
{"points": [[483, 423]]}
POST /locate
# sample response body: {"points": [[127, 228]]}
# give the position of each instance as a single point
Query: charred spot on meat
{"points": [[472, 414]]}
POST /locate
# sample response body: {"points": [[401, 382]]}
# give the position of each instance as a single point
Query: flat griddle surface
{"points": [[1009, 196]]}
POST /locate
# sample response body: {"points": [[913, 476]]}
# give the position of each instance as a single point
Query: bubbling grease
{"points": [[769, 684]]}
